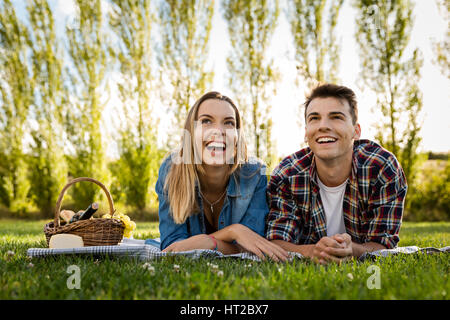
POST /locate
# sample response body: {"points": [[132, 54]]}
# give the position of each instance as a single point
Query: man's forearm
{"points": [[304, 249], [360, 248]]}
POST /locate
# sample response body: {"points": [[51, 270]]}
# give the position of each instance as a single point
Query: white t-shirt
{"points": [[333, 204]]}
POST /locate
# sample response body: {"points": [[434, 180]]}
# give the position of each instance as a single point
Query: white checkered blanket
{"points": [[138, 249]]}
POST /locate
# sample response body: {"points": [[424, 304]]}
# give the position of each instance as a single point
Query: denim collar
{"points": [[233, 189]]}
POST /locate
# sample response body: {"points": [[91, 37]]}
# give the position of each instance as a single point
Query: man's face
{"points": [[329, 129]]}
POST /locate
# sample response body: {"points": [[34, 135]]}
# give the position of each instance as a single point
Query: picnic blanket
{"points": [[403, 250], [146, 250]]}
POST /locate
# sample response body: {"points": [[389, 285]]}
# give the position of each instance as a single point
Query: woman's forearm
{"points": [[226, 234], [224, 238], [227, 248]]}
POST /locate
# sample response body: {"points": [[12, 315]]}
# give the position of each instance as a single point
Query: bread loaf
{"points": [[66, 215]]}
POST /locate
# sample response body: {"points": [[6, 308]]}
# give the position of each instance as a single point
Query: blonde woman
{"points": [[210, 195]]}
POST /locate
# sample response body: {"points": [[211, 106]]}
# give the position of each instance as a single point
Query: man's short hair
{"points": [[340, 92]]}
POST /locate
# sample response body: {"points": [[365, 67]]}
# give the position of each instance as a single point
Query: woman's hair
{"points": [[183, 173]]}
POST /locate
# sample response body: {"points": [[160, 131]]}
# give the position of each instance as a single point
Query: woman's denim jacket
{"points": [[245, 203]]}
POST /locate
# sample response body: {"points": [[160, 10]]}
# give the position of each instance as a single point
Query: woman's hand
{"points": [[254, 243], [200, 241]]}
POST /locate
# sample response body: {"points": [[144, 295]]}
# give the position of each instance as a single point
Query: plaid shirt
{"points": [[373, 200]]}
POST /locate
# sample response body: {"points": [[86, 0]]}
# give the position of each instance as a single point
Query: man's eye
{"points": [[313, 118]]}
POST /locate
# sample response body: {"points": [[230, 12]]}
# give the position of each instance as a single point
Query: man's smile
{"points": [[326, 139]]}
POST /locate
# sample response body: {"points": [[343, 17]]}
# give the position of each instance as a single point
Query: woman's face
{"points": [[215, 132]]}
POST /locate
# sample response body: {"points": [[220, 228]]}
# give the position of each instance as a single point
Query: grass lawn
{"points": [[402, 277]]}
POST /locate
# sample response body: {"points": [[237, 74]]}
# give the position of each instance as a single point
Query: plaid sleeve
{"points": [[384, 216], [282, 221]]}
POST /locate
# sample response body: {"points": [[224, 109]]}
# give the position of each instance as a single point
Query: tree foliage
{"points": [[132, 21], [16, 97], [252, 77], [87, 48], [383, 34], [49, 173], [431, 199], [184, 30], [313, 25], [442, 48]]}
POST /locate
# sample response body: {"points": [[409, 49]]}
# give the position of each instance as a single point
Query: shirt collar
{"points": [[233, 189], [313, 172]]}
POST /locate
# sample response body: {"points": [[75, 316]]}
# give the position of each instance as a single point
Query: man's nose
{"points": [[324, 124]]}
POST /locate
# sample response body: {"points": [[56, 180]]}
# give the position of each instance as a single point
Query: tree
{"points": [[252, 76], [184, 28], [442, 48], [87, 74], [16, 97], [132, 21], [383, 32], [49, 172], [313, 25]]}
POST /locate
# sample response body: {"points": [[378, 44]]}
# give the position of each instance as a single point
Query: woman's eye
{"points": [[206, 121], [230, 123]]}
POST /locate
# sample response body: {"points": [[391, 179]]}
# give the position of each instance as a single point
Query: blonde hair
{"points": [[183, 175]]}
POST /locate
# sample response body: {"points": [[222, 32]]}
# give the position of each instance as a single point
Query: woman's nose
{"points": [[214, 133], [218, 128]]}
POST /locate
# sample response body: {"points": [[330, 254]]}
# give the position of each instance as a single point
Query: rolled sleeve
{"points": [[282, 221], [383, 220]]}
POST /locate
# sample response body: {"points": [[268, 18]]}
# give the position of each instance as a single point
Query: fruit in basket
{"points": [[130, 226]]}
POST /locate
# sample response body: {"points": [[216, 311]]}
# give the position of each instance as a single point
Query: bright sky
{"points": [[288, 132]]}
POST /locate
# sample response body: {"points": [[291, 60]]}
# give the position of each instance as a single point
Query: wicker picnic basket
{"points": [[95, 232]]}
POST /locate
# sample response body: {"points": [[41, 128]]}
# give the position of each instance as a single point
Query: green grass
{"points": [[402, 277]]}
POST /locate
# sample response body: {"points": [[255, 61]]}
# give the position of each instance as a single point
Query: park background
{"points": [[101, 89]]}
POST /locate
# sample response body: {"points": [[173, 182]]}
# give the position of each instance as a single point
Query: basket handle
{"points": [[63, 191]]}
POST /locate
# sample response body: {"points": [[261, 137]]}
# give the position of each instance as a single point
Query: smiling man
{"points": [[341, 196]]}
